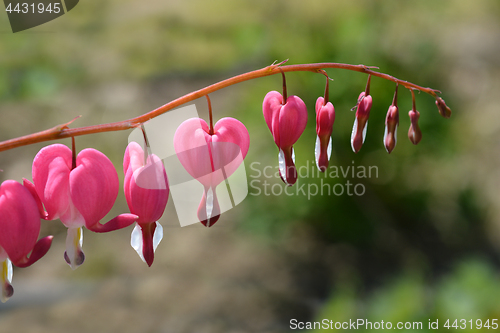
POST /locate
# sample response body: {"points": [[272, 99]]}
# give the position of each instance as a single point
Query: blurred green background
{"points": [[421, 244]]}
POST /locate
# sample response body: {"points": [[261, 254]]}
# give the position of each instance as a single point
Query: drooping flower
{"points": [[19, 231], [363, 108], [444, 110], [211, 155], [146, 190], [286, 118], [391, 124], [325, 117], [414, 133], [80, 192]]}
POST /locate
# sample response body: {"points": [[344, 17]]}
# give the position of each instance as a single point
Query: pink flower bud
{"points": [[19, 230], [391, 128], [444, 110], [286, 121], [325, 117], [78, 197], [414, 133], [360, 123], [211, 159], [146, 190]]}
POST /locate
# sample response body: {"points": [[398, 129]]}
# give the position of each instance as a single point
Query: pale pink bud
{"points": [[391, 128], [414, 133], [444, 110]]}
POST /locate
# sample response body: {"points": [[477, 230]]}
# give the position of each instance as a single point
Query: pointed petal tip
{"points": [[39, 250], [149, 260], [210, 222], [119, 222]]}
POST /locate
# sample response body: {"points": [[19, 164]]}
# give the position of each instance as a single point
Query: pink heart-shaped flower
{"points": [[286, 121], [20, 225], [146, 190], [79, 195], [325, 117], [211, 158]]}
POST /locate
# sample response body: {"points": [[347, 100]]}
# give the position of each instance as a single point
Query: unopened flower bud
{"points": [[325, 117], [444, 110], [359, 129], [414, 133], [391, 128]]}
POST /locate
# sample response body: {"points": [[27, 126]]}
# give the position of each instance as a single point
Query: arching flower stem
{"points": [[62, 131]]}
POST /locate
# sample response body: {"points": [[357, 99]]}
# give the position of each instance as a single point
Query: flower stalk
{"points": [[62, 131]]}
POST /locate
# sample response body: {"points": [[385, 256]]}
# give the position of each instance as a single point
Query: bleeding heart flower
{"points": [[325, 117], [211, 157], [286, 120], [146, 190], [79, 193], [19, 230], [360, 123]]}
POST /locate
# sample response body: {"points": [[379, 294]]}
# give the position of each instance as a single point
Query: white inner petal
{"points": [[329, 149], [353, 133], [136, 241], [158, 236], [364, 131], [210, 203], [282, 164], [6, 271], [317, 150], [74, 243]]}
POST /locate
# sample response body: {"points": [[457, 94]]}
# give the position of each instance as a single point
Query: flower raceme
{"points": [[146, 190], [80, 192], [211, 155], [325, 117], [286, 118], [19, 230]]}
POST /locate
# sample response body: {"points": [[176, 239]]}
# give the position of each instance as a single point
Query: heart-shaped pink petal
{"points": [[292, 121], [273, 101], [211, 158], [20, 225], [146, 186], [51, 168]]}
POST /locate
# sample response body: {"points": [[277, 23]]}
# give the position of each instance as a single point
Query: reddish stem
{"points": [[395, 98], [211, 130], [414, 107], [73, 149], [60, 132], [367, 89], [285, 97]]}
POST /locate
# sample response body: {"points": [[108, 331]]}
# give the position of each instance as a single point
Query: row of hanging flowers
{"points": [[80, 189]]}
